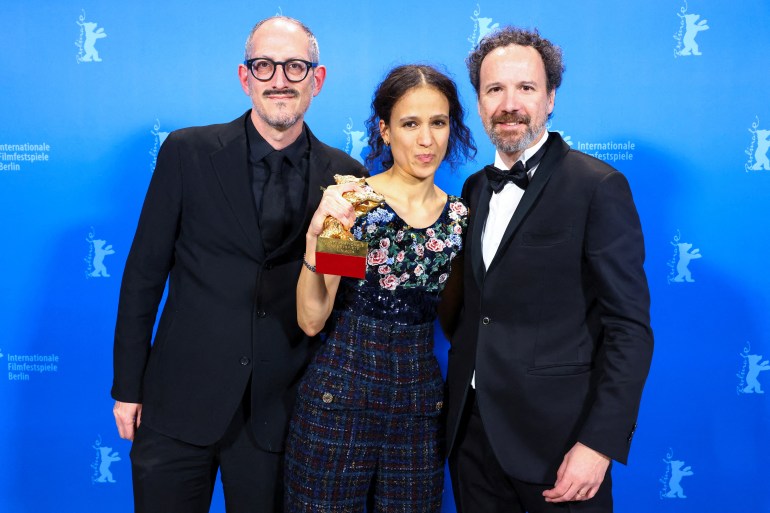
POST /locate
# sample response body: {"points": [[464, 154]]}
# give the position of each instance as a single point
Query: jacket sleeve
{"points": [[614, 250], [147, 268]]}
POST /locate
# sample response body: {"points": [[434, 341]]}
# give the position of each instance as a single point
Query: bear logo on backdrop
{"points": [[356, 142], [103, 458], [672, 477], [690, 25], [751, 367], [86, 42], [567, 138], [679, 264], [481, 27], [98, 249], [759, 160], [159, 138]]}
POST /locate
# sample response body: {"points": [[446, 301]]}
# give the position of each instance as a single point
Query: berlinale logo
{"points": [[481, 27], [672, 478], [758, 150], [355, 143], [679, 263], [748, 382], [98, 249], [689, 27], [86, 43]]}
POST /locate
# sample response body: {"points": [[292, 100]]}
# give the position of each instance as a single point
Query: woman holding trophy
{"points": [[368, 410]]}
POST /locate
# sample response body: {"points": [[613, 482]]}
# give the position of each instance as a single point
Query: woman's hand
{"points": [[333, 204]]}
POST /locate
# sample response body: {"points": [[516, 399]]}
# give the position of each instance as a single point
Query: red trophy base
{"points": [[341, 257]]}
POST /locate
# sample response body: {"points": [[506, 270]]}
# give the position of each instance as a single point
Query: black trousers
{"points": [[481, 485], [171, 476]]}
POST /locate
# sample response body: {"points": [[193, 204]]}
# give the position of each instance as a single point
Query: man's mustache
{"points": [[509, 117], [284, 92]]}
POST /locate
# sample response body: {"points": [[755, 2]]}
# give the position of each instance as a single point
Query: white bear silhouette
{"points": [[106, 459], [752, 383], [690, 46], [485, 27], [91, 36], [763, 144], [674, 484], [684, 260], [99, 253], [358, 140]]}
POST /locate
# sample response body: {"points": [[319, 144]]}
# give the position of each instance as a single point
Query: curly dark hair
{"points": [[394, 86], [550, 53]]}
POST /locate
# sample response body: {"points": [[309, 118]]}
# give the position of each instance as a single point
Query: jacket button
{"points": [[485, 320], [244, 360], [439, 405], [327, 397], [261, 314]]}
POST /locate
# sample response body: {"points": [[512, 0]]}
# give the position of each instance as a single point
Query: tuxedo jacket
{"points": [[557, 328], [231, 313]]}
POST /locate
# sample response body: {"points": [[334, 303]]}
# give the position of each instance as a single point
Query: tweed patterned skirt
{"points": [[368, 413]]}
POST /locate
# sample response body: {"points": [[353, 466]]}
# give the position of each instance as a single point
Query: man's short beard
{"points": [[282, 121], [506, 145]]}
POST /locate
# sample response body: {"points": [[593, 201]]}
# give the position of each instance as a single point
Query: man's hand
{"points": [[579, 476], [128, 416]]}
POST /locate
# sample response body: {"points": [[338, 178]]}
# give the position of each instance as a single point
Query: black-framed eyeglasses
{"points": [[263, 69]]}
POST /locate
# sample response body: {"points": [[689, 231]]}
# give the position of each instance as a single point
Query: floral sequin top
{"points": [[407, 267]]}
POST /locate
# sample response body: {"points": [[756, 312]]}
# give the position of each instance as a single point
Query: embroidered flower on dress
{"points": [[377, 257], [389, 282], [397, 256], [458, 208], [435, 245]]}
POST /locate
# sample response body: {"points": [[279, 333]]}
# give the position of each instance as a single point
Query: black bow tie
{"points": [[498, 178], [517, 174]]}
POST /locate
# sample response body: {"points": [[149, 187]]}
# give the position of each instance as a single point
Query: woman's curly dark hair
{"points": [[394, 86]]}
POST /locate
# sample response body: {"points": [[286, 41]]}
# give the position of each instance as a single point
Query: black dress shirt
{"points": [[295, 172]]}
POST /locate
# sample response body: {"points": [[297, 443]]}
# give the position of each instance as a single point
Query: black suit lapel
{"points": [[232, 168], [549, 164], [478, 220]]}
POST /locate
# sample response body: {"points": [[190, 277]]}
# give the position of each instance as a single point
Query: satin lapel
{"points": [[232, 168], [478, 219], [320, 175], [545, 170]]}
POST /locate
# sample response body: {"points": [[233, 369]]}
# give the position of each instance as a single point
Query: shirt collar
{"points": [[259, 148]]}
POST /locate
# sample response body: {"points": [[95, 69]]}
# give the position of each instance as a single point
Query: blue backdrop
{"points": [[674, 94]]}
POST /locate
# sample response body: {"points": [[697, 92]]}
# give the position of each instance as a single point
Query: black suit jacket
{"points": [[231, 311], [557, 328]]}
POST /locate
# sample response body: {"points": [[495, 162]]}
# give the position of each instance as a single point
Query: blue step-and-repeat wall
{"points": [[674, 93]]}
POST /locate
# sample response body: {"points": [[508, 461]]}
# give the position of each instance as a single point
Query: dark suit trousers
{"points": [[481, 485], [171, 476]]}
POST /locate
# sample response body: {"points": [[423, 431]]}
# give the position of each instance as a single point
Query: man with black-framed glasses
{"points": [[224, 222]]}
